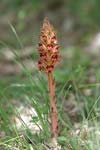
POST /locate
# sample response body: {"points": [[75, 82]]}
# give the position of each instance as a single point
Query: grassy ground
{"points": [[77, 78]]}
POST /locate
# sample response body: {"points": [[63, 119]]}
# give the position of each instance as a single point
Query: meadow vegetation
{"points": [[23, 88]]}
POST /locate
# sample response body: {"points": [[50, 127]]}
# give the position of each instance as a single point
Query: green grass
{"points": [[71, 77], [74, 75]]}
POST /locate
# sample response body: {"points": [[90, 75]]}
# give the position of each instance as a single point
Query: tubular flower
{"points": [[48, 48]]}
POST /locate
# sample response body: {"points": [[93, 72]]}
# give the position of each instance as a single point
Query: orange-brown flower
{"points": [[48, 47]]}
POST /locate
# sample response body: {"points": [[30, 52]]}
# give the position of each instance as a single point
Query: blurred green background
{"points": [[77, 24], [77, 74], [72, 20]]}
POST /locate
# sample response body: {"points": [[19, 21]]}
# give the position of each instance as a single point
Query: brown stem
{"points": [[53, 110]]}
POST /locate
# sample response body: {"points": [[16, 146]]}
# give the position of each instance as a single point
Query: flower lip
{"points": [[49, 68], [40, 44]]}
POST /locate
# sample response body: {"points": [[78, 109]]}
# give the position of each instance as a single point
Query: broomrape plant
{"points": [[49, 56]]}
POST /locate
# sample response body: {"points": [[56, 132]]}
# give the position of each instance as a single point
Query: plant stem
{"points": [[53, 110]]}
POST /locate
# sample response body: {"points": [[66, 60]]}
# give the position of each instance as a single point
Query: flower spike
{"points": [[48, 47]]}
